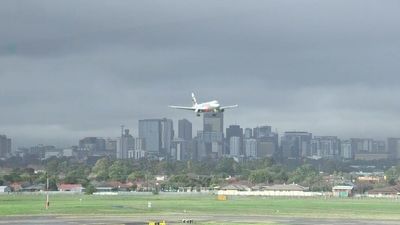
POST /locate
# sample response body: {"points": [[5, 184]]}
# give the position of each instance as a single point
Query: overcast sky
{"points": [[70, 69]]}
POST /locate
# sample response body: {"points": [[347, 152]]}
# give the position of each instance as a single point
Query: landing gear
{"points": [[198, 114]]}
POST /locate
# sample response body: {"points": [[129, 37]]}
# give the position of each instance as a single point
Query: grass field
{"points": [[132, 205]]}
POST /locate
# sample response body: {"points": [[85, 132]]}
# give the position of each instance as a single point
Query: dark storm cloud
{"points": [[74, 68]]}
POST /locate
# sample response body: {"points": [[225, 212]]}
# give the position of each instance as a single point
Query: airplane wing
{"points": [[229, 106], [182, 107]]}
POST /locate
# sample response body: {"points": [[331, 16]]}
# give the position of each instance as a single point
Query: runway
{"points": [[170, 219]]}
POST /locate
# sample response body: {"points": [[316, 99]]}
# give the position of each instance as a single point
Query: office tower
{"points": [[346, 151], [296, 145], [185, 129], [125, 145], [167, 135], [262, 131], [5, 146], [158, 135], [248, 133], [234, 131], [140, 151], [213, 122], [267, 141], [325, 147], [150, 132], [235, 146], [394, 148], [95, 146], [250, 147], [210, 139], [111, 146]]}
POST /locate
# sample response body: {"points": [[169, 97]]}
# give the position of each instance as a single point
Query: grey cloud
{"points": [[70, 69]]}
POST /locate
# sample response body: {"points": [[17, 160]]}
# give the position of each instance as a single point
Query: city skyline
{"points": [[77, 69]]}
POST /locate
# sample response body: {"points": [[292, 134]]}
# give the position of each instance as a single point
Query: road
{"points": [[98, 220]]}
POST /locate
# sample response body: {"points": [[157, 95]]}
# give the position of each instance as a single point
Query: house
{"points": [[5, 189], [70, 187], [386, 191], [235, 187], [285, 187], [34, 188], [342, 191]]}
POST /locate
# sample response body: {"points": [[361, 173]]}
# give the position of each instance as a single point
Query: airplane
{"points": [[212, 106]]}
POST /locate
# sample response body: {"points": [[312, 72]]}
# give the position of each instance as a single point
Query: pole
{"points": [[47, 194]]}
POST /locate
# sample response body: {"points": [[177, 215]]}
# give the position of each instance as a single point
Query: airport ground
{"points": [[203, 209]]}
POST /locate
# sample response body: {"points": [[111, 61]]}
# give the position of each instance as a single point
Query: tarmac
{"points": [[126, 220]]}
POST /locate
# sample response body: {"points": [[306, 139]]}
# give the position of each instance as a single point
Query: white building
{"points": [[250, 147], [234, 146]]}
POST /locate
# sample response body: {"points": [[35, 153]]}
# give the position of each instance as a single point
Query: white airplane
{"points": [[212, 106]]}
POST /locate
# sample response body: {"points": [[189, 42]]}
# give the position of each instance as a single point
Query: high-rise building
{"points": [[296, 145], [234, 131], [94, 146], [185, 129], [210, 139], [262, 131], [394, 148], [250, 147], [111, 146], [213, 122], [235, 146], [267, 141], [150, 131], [266, 147], [158, 135], [5, 146], [346, 151], [325, 146], [140, 151], [167, 135], [125, 146], [248, 133]]}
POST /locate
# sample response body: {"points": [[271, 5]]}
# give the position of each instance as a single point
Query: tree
{"points": [[100, 169], [90, 189], [305, 175], [393, 175], [119, 171]]}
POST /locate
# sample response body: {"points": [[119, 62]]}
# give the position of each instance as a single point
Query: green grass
{"points": [[75, 205]]}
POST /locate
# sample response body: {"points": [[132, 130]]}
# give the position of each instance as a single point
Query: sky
{"points": [[71, 69]]}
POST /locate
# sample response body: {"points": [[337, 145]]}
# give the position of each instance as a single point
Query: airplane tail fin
{"points": [[194, 99]]}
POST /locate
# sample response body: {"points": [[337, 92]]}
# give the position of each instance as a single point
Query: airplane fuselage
{"points": [[212, 106]]}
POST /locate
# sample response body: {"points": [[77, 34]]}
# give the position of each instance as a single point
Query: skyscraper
{"points": [[185, 130], [394, 148], [296, 144], [150, 131], [325, 146], [167, 135], [213, 122], [5, 146], [125, 146], [210, 139], [234, 131], [158, 135], [262, 131], [248, 133]]}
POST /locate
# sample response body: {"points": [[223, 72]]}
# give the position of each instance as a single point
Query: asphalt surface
{"points": [[99, 220]]}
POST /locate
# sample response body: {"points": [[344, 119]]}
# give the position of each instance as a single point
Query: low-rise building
{"points": [[70, 187], [342, 191], [5, 189]]}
